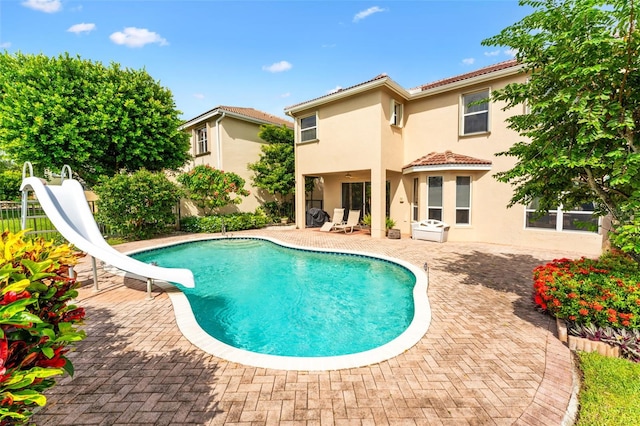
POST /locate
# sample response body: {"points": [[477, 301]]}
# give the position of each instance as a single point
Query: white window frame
{"points": [[202, 140], [464, 208], [464, 114], [397, 115], [304, 129], [559, 225], [434, 207], [415, 202]]}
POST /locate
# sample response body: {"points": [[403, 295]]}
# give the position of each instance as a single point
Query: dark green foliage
{"points": [[583, 129], [137, 205], [10, 181], [212, 189], [275, 170], [99, 120], [232, 222]]}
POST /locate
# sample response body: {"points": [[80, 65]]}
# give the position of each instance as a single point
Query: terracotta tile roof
{"points": [[482, 71], [259, 115], [247, 112], [378, 77], [447, 158]]}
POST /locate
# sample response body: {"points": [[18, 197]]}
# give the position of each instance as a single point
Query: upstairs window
{"points": [[475, 116], [308, 128], [396, 114], [201, 141]]}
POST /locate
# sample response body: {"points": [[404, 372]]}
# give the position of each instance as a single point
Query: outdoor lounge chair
{"points": [[336, 219], [353, 220]]}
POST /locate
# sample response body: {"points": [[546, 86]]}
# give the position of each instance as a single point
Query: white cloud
{"points": [[328, 46], [47, 6], [285, 95], [5, 45], [511, 52], [368, 12], [334, 90], [198, 95], [137, 37], [278, 67], [492, 53], [468, 61], [81, 28]]}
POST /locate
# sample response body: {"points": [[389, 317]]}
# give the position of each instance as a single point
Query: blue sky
{"points": [[264, 54]]}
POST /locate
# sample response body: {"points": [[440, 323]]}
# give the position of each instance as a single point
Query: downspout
{"points": [[218, 142]]}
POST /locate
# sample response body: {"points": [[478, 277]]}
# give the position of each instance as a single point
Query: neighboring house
{"points": [[226, 138], [426, 153]]}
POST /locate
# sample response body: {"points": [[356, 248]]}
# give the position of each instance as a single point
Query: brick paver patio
{"points": [[488, 358]]}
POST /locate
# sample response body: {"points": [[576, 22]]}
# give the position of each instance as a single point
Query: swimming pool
{"points": [[275, 305]]}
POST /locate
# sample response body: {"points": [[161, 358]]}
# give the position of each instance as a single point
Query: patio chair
{"points": [[336, 219], [353, 220]]}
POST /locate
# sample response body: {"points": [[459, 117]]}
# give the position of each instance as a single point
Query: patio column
{"points": [[300, 202], [378, 196]]}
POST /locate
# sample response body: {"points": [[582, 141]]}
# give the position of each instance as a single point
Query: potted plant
{"points": [[391, 232]]}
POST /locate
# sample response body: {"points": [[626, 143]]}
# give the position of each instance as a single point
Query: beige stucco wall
{"points": [[239, 146], [433, 125], [354, 135]]}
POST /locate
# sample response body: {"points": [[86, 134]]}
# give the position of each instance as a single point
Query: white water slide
{"points": [[68, 210]]}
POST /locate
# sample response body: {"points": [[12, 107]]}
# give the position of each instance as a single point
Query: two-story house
{"points": [[427, 152], [226, 138]]}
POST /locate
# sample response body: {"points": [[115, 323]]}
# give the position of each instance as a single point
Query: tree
{"points": [[583, 62], [275, 169], [212, 189], [99, 120], [137, 205]]}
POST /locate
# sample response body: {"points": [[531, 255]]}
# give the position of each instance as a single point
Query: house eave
{"points": [[447, 167], [218, 111], [386, 81]]}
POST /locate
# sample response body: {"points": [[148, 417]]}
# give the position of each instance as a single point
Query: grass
{"points": [[610, 394]]}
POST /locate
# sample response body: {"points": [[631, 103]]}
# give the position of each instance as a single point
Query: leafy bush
{"points": [[211, 188], [604, 292], [10, 181], [137, 205], [232, 222], [37, 323]]}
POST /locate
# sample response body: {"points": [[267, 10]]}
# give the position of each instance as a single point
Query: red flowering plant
{"points": [[603, 292], [37, 322]]}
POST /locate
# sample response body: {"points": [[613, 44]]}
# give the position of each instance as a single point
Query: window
{"points": [[396, 114], [434, 197], [463, 200], [414, 205], [579, 219], [308, 128], [475, 116], [201, 140]]}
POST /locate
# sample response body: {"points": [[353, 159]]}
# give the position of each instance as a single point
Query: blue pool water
{"points": [[259, 296]]}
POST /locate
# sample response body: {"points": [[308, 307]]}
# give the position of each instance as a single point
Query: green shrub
{"points": [[37, 323], [138, 205], [211, 188], [10, 181], [232, 222], [604, 292]]}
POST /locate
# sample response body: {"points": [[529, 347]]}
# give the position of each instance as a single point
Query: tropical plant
{"points": [[627, 340], [389, 223], [212, 189], [99, 120], [137, 205], [38, 325], [582, 124], [604, 292]]}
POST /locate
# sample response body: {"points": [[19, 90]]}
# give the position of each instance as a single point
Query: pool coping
{"points": [[195, 334]]}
